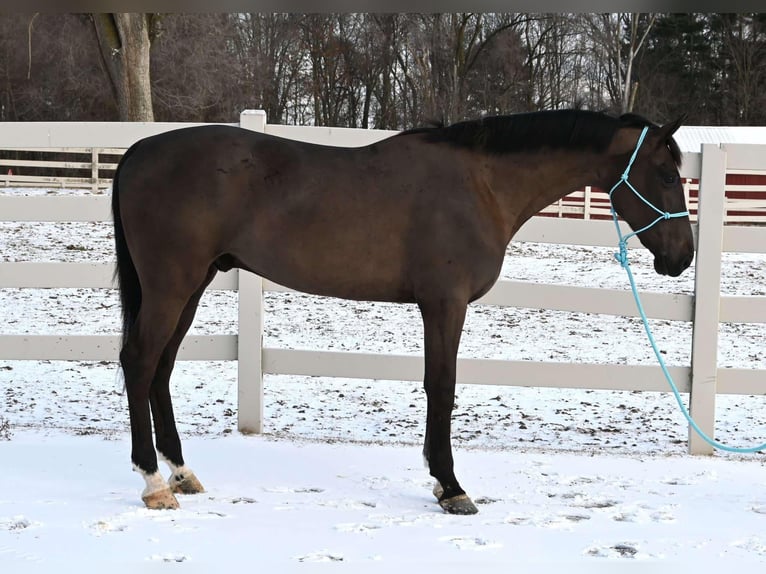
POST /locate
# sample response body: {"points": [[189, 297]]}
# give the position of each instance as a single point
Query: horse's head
{"points": [[652, 192]]}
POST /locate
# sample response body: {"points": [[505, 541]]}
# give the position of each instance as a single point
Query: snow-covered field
{"points": [[582, 477]]}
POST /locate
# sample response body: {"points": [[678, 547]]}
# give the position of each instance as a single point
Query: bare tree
{"points": [[329, 44], [450, 58], [50, 71], [552, 61], [617, 39], [743, 39], [124, 40], [388, 45], [383, 70], [270, 58], [636, 40]]}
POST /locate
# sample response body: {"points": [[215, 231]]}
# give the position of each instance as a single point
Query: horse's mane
{"points": [[561, 129]]}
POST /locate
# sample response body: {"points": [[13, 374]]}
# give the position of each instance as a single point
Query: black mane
{"points": [[558, 129]]}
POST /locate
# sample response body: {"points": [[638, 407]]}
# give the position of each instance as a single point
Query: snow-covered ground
{"points": [[583, 477]]}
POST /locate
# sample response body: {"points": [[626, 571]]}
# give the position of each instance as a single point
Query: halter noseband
{"points": [[622, 256]]}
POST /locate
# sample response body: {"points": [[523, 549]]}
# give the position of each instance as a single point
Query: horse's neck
{"points": [[526, 183]]}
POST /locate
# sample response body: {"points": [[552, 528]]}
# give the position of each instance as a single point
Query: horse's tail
{"points": [[125, 272]]}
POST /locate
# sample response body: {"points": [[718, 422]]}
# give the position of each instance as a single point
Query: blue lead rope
{"points": [[622, 257]]}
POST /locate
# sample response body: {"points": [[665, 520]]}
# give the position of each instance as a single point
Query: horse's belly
{"points": [[323, 266]]}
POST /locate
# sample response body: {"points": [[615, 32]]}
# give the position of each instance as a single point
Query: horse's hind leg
{"points": [[182, 479], [443, 325], [157, 320]]}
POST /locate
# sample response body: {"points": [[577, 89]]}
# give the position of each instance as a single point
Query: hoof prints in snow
{"points": [[576, 517], [753, 544], [102, 527], [486, 500], [243, 500], [288, 490], [321, 556], [558, 521], [627, 550], [168, 557], [470, 543], [357, 528], [15, 523], [644, 514], [582, 501]]}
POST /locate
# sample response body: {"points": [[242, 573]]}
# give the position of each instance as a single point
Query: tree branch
{"points": [[29, 39]]}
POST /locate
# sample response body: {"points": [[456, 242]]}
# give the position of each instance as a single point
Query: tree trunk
{"points": [[124, 41]]}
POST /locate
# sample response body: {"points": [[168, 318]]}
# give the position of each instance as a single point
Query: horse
{"points": [[422, 217]]}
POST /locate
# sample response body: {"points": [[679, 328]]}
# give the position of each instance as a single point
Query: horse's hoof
{"points": [[460, 504], [185, 483], [160, 500]]}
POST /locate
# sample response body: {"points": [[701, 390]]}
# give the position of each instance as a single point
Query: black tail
{"points": [[127, 278]]}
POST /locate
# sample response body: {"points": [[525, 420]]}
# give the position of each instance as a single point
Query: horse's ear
{"points": [[664, 134]]}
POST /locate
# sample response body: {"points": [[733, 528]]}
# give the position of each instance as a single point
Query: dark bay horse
{"points": [[422, 217]]}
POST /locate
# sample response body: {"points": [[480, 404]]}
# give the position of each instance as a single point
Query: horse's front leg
{"points": [[443, 324]]}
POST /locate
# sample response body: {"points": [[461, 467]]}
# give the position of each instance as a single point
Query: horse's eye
{"points": [[670, 179]]}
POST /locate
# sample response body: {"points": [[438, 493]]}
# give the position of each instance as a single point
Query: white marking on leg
{"points": [[119, 381], [154, 481], [177, 473]]}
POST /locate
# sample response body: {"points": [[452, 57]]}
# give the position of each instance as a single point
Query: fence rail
{"points": [[706, 308]]}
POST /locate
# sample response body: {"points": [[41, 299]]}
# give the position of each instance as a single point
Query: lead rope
{"points": [[622, 257]]}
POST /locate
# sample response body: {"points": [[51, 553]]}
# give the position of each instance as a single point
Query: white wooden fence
{"points": [[702, 378]]}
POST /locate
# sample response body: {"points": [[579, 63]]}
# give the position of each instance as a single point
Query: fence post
{"points": [[94, 170], [253, 120], [707, 295], [250, 317], [249, 353], [586, 201]]}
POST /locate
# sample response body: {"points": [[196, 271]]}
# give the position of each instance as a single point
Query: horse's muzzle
{"points": [[665, 265]]}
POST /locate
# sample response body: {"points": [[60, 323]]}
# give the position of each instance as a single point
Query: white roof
{"points": [[690, 138]]}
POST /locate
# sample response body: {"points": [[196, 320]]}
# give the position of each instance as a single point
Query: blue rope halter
{"points": [[622, 257]]}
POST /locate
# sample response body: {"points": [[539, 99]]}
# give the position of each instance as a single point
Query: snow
{"points": [[282, 502], [585, 479]]}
